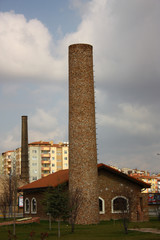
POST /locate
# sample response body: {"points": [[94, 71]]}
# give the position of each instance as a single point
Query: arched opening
{"points": [[120, 204], [27, 206], [33, 206], [101, 205]]}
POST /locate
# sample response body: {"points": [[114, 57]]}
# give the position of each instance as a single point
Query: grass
{"points": [[111, 230]]}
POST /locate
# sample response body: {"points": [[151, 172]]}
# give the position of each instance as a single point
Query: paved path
{"points": [[150, 230], [36, 219]]}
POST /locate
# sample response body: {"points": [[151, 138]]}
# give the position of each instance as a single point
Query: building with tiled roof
{"points": [[114, 186], [152, 180], [44, 158]]}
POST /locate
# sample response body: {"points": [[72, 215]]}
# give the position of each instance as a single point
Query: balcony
{"points": [[45, 155], [46, 169], [45, 175], [45, 161], [45, 149]]}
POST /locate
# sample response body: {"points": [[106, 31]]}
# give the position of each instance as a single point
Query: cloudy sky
{"points": [[125, 34]]}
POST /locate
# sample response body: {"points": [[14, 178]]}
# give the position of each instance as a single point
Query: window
{"points": [[34, 164], [27, 205], [45, 151], [53, 165], [34, 178], [65, 158], [101, 205], [45, 159], [53, 158], [34, 151], [119, 204], [34, 157], [66, 165], [33, 206], [65, 152], [53, 151]]}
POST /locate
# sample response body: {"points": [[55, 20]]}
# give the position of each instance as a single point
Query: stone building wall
{"points": [[82, 132], [110, 186], [38, 195]]}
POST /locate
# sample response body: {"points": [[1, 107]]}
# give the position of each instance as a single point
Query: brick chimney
{"points": [[24, 151], [83, 173]]}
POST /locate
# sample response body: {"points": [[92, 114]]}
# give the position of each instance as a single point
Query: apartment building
{"points": [[44, 158], [151, 180], [7, 162], [158, 182], [133, 172]]}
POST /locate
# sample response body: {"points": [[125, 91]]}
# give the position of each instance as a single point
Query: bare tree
{"points": [[8, 196], [5, 196], [122, 205], [75, 201]]}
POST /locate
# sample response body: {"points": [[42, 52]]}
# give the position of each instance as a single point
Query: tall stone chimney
{"points": [[24, 150], [82, 132]]}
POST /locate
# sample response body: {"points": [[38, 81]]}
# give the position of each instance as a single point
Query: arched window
{"points": [[120, 204], [27, 205], [33, 206], [101, 206]]}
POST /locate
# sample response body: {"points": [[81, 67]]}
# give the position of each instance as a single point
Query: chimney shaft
{"points": [[82, 133], [24, 150]]}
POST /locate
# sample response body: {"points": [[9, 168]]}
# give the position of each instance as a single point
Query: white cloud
{"points": [[43, 120], [11, 139], [132, 119], [44, 126], [26, 50], [125, 36]]}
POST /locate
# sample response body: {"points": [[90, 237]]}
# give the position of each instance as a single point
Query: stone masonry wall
{"points": [[38, 195], [82, 132], [110, 186]]}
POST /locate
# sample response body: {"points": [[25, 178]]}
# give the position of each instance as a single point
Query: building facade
{"points": [[114, 188], [133, 172], [44, 158], [7, 162], [153, 181]]}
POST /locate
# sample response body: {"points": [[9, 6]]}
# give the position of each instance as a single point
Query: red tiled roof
{"points": [[39, 143], [121, 174], [52, 180], [147, 177], [62, 176], [8, 152], [45, 143]]}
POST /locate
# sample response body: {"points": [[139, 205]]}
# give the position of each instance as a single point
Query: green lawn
{"points": [[110, 230]]}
